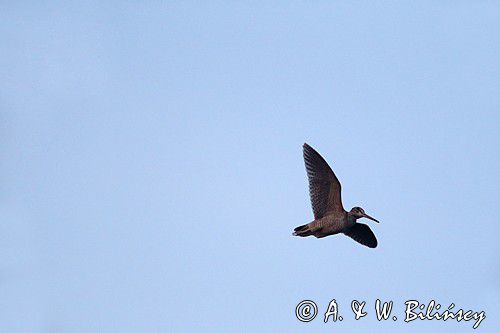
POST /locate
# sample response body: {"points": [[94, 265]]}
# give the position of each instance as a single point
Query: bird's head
{"points": [[359, 212]]}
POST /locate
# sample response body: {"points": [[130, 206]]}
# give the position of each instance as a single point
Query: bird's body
{"points": [[330, 216], [327, 225]]}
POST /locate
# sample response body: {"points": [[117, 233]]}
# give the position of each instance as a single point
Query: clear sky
{"points": [[151, 164]]}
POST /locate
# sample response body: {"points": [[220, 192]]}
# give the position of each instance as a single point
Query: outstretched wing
{"points": [[362, 233], [324, 187]]}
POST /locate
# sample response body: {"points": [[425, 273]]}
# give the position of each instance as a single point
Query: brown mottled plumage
{"points": [[330, 218]]}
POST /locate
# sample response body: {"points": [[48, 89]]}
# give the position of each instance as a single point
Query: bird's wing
{"points": [[362, 233], [324, 187]]}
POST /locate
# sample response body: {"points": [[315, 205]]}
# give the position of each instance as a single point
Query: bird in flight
{"points": [[330, 218]]}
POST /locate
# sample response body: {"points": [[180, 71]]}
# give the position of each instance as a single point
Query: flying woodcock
{"points": [[330, 218]]}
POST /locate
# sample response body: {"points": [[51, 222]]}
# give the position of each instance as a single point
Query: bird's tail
{"points": [[302, 231]]}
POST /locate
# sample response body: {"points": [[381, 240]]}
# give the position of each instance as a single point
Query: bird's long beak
{"points": [[371, 218]]}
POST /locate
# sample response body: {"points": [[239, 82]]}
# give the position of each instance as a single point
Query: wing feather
{"points": [[324, 187], [362, 234]]}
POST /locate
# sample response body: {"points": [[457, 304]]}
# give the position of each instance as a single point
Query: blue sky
{"points": [[152, 170]]}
